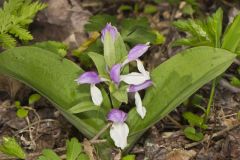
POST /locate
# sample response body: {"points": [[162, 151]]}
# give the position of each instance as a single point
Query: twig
{"points": [[174, 121], [98, 141], [217, 134], [38, 117], [32, 124], [30, 133], [100, 132]]}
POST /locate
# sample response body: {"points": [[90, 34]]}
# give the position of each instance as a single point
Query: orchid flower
{"points": [[136, 78], [92, 78], [141, 110], [119, 130]]}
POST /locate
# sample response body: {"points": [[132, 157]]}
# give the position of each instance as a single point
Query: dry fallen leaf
{"points": [[89, 150], [9, 85], [180, 154]]}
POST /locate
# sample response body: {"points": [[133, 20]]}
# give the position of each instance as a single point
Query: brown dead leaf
{"points": [[89, 150], [9, 85], [118, 155], [180, 154]]}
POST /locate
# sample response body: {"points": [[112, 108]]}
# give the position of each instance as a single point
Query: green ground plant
{"points": [[208, 32]]}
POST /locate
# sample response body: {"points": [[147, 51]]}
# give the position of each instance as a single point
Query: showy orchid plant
{"points": [[91, 110], [135, 82]]}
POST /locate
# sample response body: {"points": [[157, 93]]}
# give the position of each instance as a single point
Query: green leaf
{"points": [[214, 24], [53, 46], [98, 22], [22, 113], [235, 81], [10, 147], [121, 94], [160, 39], [191, 133], [17, 104], [106, 101], [83, 157], [128, 25], [120, 48], [129, 157], [231, 36], [74, 148], [53, 77], [140, 35], [175, 80], [194, 120], [49, 154], [34, 98], [99, 62], [150, 9], [136, 31], [125, 8], [188, 9], [197, 99], [109, 50], [83, 107]]}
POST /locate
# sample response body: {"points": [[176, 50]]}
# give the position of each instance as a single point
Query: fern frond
{"points": [[11, 6], [6, 21], [28, 11], [15, 16], [206, 31], [21, 33], [7, 41]]}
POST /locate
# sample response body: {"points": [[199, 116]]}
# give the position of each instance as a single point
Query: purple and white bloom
{"points": [[92, 78], [115, 73], [109, 29], [136, 78], [119, 130], [141, 110], [136, 52]]}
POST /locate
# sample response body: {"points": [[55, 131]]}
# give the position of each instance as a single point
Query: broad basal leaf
{"points": [[175, 80], [53, 77]]}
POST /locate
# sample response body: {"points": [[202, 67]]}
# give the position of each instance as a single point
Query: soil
{"points": [[44, 127]]}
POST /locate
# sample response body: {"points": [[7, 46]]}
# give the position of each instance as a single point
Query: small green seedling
{"points": [[129, 157], [22, 111], [11, 148], [235, 81], [74, 152], [196, 123]]}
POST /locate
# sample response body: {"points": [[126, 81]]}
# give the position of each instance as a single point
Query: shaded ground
{"points": [[46, 128]]}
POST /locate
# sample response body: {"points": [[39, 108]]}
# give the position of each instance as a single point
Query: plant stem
{"points": [[210, 101], [100, 132]]}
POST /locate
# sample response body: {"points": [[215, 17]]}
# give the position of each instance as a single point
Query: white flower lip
{"points": [[119, 133], [139, 107], [134, 78], [96, 95]]}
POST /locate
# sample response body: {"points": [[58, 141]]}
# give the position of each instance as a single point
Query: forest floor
{"points": [[64, 21]]}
